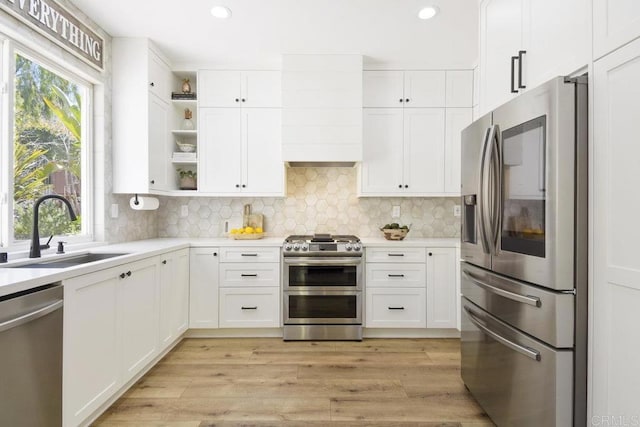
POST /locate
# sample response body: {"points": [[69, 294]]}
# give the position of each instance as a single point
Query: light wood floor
{"points": [[268, 382]]}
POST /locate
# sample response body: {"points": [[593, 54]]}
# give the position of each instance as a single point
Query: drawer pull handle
{"points": [[524, 299], [396, 254], [248, 275], [396, 275], [396, 308], [248, 254], [250, 308]]}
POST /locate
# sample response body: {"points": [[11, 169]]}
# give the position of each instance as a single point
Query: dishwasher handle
{"points": [[25, 318]]}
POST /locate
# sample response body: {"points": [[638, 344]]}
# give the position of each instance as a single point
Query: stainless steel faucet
{"points": [[35, 236]]}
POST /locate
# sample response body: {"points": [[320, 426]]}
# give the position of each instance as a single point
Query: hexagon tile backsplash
{"points": [[321, 200]]}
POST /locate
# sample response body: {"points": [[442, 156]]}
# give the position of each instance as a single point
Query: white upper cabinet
{"points": [[240, 152], [403, 89], [141, 93], [615, 23], [524, 43], [247, 89], [414, 151], [459, 92]]}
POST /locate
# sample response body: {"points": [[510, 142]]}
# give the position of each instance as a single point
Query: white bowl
{"points": [[186, 148]]}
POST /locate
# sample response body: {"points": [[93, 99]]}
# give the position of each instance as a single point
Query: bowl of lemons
{"points": [[394, 231], [246, 233]]}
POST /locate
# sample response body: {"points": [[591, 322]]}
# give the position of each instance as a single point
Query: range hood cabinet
{"points": [[322, 108]]}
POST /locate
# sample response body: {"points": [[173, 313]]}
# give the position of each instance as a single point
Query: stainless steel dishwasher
{"points": [[31, 357]]}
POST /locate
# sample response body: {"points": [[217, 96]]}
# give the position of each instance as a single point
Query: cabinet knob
{"points": [[430, 253], [237, 185], [128, 274], [237, 99], [122, 275], [152, 84], [164, 261], [244, 186], [400, 186], [244, 100], [406, 186], [153, 181], [215, 254], [401, 100], [407, 100]]}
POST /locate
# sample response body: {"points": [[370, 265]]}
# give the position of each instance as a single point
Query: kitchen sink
{"points": [[71, 261]]}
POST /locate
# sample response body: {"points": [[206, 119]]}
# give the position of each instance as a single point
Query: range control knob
{"points": [[348, 247], [305, 246], [296, 246], [357, 247], [288, 246]]}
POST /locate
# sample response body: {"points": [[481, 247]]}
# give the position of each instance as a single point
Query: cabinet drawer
{"points": [[249, 307], [408, 275], [249, 254], [396, 254], [245, 274], [396, 308]]}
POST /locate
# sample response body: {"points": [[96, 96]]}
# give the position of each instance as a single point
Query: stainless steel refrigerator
{"points": [[524, 257]]}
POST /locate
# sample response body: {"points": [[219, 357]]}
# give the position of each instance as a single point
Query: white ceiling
{"points": [[387, 32]]}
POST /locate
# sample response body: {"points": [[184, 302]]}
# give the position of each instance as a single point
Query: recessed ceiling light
{"points": [[221, 12], [428, 12]]}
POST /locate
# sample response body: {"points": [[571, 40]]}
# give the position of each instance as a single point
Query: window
{"points": [[46, 150]]}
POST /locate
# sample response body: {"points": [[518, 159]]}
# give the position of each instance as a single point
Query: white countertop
{"points": [[20, 279]]}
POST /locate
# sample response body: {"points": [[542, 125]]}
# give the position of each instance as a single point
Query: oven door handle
{"points": [[526, 351], [323, 261]]}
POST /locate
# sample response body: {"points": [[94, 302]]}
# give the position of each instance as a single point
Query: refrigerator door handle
{"points": [[526, 351], [486, 192], [525, 299], [496, 189]]}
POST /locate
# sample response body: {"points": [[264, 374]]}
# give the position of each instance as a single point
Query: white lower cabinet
{"points": [[242, 307], [174, 295], [411, 287], [442, 289], [249, 295], [203, 288], [139, 315], [396, 308], [91, 364], [111, 320]]}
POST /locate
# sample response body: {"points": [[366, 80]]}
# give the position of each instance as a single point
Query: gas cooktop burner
{"points": [[322, 245]]}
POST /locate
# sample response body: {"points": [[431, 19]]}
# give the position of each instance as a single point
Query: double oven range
{"points": [[322, 287]]}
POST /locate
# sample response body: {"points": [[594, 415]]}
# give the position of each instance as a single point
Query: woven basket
{"points": [[394, 233]]}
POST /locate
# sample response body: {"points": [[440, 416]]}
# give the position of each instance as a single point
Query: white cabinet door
{"points": [[442, 293], [424, 150], [220, 150], [159, 148], [261, 89], [615, 23], [139, 315], [500, 39], [91, 366], [174, 295], [219, 88], [459, 89], [395, 308], [263, 171], [556, 38], [382, 89], [424, 89], [456, 120], [381, 169], [613, 308], [250, 307], [159, 76], [203, 287]]}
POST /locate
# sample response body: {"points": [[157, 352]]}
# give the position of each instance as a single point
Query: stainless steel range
{"points": [[322, 287]]}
